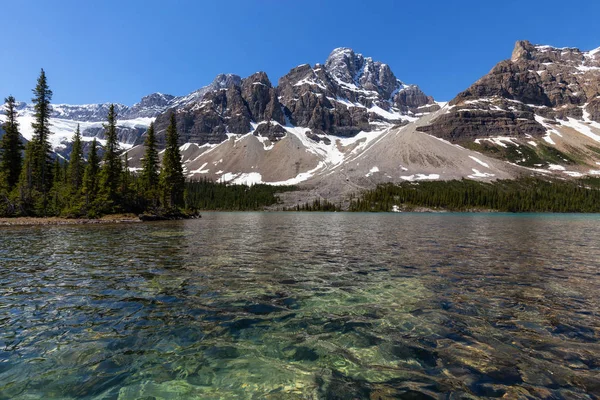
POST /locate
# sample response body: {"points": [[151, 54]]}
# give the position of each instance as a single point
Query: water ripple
{"points": [[304, 306]]}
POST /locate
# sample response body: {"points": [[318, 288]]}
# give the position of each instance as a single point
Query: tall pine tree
{"points": [[76, 167], [36, 175], [151, 166], [150, 162], [41, 131], [90, 180], [110, 175], [11, 159], [172, 180], [56, 191]]}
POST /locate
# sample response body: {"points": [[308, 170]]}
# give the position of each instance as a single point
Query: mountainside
{"points": [[132, 121], [350, 123], [348, 94], [540, 109]]}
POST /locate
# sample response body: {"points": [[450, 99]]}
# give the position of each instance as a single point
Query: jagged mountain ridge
{"points": [[132, 121], [539, 109], [349, 124], [538, 80], [251, 101], [350, 93]]}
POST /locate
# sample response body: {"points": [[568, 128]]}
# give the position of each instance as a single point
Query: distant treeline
{"points": [[205, 194], [316, 205], [521, 195]]}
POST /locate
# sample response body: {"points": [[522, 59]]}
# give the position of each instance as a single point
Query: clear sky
{"points": [[119, 51]]}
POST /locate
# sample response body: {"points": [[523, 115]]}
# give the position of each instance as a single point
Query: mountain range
{"points": [[350, 123]]}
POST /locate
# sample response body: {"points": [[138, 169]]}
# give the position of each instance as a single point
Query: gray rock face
{"points": [[221, 81], [85, 112], [150, 106], [412, 99], [351, 70], [348, 94], [483, 119], [337, 97], [341, 97], [313, 99], [593, 109], [273, 132], [543, 80], [261, 98], [226, 110]]}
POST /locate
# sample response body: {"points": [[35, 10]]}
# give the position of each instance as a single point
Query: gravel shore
{"points": [[108, 219]]}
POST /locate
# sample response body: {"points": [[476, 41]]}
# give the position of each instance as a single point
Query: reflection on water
{"points": [[303, 306]]}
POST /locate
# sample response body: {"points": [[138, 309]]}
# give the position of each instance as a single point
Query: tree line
{"points": [[204, 194], [529, 194], [36, 182]]}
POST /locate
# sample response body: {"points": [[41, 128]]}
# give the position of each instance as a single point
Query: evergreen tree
{"points": [[36, 175], [11, 159], [76, 166], [126, 191], [56, 198], [110, 174], [172, 180], [26, 191], [42, 162], [90, 179], [150, 163]]}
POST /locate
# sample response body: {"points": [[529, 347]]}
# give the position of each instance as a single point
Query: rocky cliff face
{"points": [[551, 83], [348, 94], [150, 106], [228, 109]]}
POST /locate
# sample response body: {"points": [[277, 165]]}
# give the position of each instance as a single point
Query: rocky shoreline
{"points": [[107, 219], [32, 221]]}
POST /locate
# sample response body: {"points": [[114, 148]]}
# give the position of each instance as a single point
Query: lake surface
{"points": [[303, 306]]}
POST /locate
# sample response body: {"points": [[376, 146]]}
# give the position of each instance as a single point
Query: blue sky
{"points": [[119, 51]]}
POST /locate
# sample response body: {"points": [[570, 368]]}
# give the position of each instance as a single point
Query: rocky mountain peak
{"points": [[344, 64], [258, 78], [525, 52], [522, 50], [538, 83], [347, 94], [221, 81], [149, 106], [224, 81], [156, 99]]}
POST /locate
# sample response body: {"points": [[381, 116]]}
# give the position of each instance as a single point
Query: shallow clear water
{"points": [[303, 306]]}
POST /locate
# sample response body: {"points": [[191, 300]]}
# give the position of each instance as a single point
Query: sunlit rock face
{"points": [[551, 83]]}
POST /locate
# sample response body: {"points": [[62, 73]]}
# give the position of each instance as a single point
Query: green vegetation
{"points": [[11, 147], [45, 185], [316, 205], [204, 194], [171, 179], [539, 156], [36, 175], [522, 195], [42, 184], [150, 167]]}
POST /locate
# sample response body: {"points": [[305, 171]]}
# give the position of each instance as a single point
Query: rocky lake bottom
{"points": [[303, 306]]}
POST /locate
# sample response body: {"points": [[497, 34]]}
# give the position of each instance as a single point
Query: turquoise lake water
{"points": [[303, 306]]}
